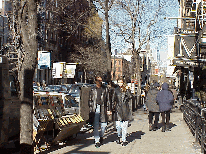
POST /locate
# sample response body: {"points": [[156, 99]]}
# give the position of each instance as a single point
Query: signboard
{"points": [[171, 47], [156, 70], [170, 70], [185, 31], [44, 59], [70, 71], [57, 70]]}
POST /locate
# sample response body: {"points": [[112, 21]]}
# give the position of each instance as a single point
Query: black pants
{"points": [[167, 113], [151, 114]]}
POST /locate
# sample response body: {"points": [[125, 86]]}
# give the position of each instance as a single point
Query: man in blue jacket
{"points": [[165, 100]]}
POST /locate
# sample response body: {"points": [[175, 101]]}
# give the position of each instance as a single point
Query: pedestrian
{"points": [[123, 113], [111, 89], [98, 100], [174, 92], [165, 100], [152, 106]]}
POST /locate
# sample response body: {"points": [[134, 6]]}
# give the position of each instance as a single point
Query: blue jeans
{"points": [[122, 129], [98, 134]]}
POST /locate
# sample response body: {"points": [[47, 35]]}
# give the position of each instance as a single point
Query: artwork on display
{"points": [[44, 60]]}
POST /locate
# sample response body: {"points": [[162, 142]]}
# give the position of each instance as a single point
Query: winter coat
{"points": [[165, 98], [120, 103], [103, 103], [151, 100]]}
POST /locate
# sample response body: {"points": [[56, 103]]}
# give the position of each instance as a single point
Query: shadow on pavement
{"points": [[81, 140], [112, 136], [171, 125], [88, 152], [134, 135]]}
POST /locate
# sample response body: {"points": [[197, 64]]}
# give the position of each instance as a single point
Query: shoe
{"points": [[150, 127], [167, 128], [118, 140], [163, 128], [101, 140], [97, 145], [155, 128], [124, 143]]}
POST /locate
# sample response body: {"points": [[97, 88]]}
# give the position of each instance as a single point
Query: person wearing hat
{"points": [[152, 106], [165, 100]]}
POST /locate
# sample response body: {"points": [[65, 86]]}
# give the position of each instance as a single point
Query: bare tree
{"points": [[135, 27], [105, 6]]}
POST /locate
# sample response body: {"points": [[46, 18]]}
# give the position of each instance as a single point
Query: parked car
{"points": [[56, 88], [75, 91], [37, 88], [71, 106]]}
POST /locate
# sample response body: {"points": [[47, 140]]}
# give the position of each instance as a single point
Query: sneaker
{"points": [[97, 145], [155, 128], [118, 140], [163, 128], [168, 128], [124, 143], [101, 140], [150, 127]]}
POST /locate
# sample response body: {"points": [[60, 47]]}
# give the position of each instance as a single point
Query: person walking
{"points": [[165, 100], [98, 100], [122, 114], [152, 106]]}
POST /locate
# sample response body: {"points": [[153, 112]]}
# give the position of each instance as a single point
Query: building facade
{"points": [[189, 46]]}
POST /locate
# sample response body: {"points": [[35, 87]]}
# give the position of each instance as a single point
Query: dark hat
{"points": [[156, 84]]}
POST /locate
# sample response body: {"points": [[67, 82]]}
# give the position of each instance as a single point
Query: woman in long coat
{"points": [[122, 112]]}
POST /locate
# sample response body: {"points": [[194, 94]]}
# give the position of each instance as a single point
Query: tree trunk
{"points": [[28, 26], [138, 77], [108, 45]]}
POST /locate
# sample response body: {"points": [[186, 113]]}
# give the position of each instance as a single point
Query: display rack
{"points": [[53, 118]]}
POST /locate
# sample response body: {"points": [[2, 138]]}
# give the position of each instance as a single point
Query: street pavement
{"points": [[179, 140]]}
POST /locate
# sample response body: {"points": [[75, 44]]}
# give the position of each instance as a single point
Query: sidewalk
{"points": [[141, 140]]}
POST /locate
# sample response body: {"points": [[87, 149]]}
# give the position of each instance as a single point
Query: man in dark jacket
{"points": [[152, 106], [98, 105], [165, 100]]}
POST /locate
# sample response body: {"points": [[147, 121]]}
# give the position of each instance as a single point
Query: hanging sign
{"points": [[70, 71]]}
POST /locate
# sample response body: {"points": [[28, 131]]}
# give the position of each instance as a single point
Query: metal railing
{"points": [[195, 117]]}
